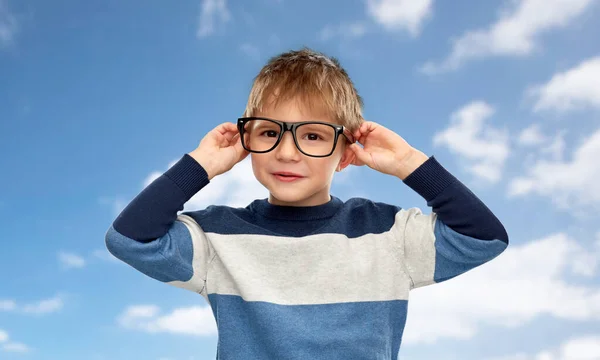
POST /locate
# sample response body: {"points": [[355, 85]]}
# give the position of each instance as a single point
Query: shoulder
{"points": [[367, 215], [367, 206], [216, 212]]}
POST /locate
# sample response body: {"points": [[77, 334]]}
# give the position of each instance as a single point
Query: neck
{"points": [[302, 213], [317, 199]]}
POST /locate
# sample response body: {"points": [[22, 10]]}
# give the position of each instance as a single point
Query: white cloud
{"points": [[7, 305], [133, 313], [407, 15], [515, 33], [212, 11], [345, 176], [532, 280], [156, 174], [41, 307], [484, 147], [576, 88], [345, 31], [250, 50], [116, 204], [581, 348], [16, 347], [569, 184], [10, 346], [70, 260], [555, 147], [236, 188], [541, 145], [44, 306], [153, 176], [8, 25], [531, 136], [195, 320]]}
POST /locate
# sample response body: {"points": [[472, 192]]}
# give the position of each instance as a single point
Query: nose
{"points": [[287, 150]]}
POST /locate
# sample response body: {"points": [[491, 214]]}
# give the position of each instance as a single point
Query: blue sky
{"points": [[97, 98]]}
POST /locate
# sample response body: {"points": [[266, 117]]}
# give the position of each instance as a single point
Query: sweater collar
{"points": [[285, 212]]}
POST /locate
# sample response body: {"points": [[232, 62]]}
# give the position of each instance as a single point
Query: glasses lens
{"points": [[315, 139], [260, 135]]}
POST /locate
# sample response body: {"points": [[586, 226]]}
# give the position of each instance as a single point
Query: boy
{"points": [[302, 274]]}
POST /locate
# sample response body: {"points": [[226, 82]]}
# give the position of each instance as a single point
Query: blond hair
{"points": [[316, 80]]}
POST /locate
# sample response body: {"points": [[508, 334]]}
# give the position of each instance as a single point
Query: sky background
{"points": [[98, 98]]}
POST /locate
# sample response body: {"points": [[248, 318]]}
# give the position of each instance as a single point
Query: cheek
{"points": [[260, 165], [257, 160], [256, 165], [323, 167]]}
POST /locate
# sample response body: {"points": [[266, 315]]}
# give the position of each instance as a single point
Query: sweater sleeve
{"points": [[460, 234], [151, 237]]}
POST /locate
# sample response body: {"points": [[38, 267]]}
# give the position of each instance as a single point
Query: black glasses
{"points": [[312, 138]]}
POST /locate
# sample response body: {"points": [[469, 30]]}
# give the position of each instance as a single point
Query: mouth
{"points": [[287, 176]]}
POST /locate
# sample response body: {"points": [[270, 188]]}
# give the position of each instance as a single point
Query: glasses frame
{"points": [[292, 126]]}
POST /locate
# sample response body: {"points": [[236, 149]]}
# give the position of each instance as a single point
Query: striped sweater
{"points": [[305, 283]]}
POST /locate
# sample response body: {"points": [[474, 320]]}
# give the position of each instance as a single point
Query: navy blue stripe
{"points": [[153, 211], [356, 217], [454, 203]]}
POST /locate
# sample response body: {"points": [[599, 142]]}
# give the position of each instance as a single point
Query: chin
{"points": [[289, 195]]}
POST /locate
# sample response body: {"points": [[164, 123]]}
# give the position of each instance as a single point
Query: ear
{"points": [[348, 157]]}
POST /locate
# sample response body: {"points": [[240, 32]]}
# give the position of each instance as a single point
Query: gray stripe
{"points": [[201, 254], [318, 269], [417, 239]]}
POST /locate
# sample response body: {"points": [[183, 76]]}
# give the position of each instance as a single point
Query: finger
{"points": [[362, 157], [359, 131], [226, 133], [370, 126], [231, 136], [226, 128], [363, 130], [362, 137], [240, 151], [357, 162]]}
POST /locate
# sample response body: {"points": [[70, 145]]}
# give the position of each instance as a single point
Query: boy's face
{"points": [[313, 185]]}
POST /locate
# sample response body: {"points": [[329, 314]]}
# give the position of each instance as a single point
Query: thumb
{"points": [[362, 157]]}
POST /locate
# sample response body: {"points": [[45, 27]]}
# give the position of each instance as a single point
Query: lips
{"points": [[287, 173], [287, 176]]}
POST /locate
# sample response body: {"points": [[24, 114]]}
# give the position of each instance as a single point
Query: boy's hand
{"points": [[220, 150], [385, 151]]}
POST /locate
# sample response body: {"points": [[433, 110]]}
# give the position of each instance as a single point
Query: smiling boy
{"points": [[303, 274]]}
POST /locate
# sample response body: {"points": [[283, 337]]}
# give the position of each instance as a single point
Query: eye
{"points": [[313, 136], [270, 133]]}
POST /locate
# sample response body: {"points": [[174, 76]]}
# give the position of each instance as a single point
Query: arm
{"points": [[460, 234], [152, 238]]}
